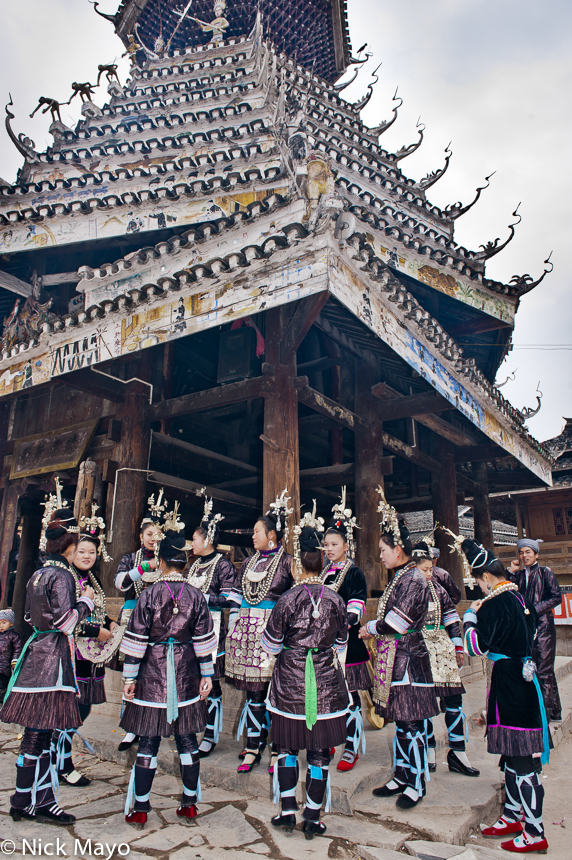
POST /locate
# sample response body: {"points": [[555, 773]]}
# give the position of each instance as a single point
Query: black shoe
{"points": [[384, 791], [287, 822], [54, 815], [457, 766], [313, 828], [405, 802], [432, 767], [557, 719], [75, 778], [19, 814], [126, 745]]}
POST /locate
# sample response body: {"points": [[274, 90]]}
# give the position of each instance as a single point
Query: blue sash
{"points": [[264, 604]]}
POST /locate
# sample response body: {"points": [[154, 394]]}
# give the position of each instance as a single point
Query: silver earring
{"points": [[270, 544], [489, 587]]}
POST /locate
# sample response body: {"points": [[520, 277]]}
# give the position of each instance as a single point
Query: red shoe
{"points": [[332, 752], [187, 811], [522, 844], [502, 827], [346, 764], [136, 818]]}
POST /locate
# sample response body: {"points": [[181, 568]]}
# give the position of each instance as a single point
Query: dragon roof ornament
{"points": [[434, 177], [413, 147], [491, 249], [378, 130], [525, 283], [359, 105], [455, 210]]}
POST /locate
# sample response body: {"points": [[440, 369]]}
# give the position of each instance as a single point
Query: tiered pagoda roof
{"points": [[227, 176], [561, 449]]}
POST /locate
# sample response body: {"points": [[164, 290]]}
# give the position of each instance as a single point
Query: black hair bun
{"points": [[477, 556], [309, 540], [61, 521], [172, 546]]}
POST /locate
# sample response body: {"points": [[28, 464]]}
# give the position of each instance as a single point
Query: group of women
{"points": [[295, 644]]}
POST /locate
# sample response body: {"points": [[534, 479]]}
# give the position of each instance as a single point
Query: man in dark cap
{"points": [[540, 586]]}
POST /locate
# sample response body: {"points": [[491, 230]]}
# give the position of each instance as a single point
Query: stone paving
{"points": [[234, 825]]}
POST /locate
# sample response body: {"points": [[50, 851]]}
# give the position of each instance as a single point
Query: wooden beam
{"points": [[192, 486], [410, 406], [478, 453], [300, 324], [481, 508], [477, 327], [325, 405], [96, 384], [221, 395], [15, 285], [467, 483], [318, 364], [162, 439], [341, 415], [60, 278], [328, 475], [438, 425]]}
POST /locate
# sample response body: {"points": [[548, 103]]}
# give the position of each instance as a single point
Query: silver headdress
{"points": [[53, 504], [171, 521], [343, 518], [389, 524], [456, 546], [95, 527], [309, 520], [209, 522], [279, 509]]}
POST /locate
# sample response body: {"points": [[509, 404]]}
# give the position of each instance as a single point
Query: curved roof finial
{"points": [[434, 177], [112, 18], [24, 145], [353, 61], [409, 150], [525, 283], [510, 378], [455, 210], [491, 249], [379, 129], [531, 411], [359, 105], [339, 87]]}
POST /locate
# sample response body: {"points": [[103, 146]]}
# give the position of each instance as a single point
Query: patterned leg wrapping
{"points": [[411, 758], [513, 805], [254, 717], [456, 723], [142, 776], [317, 784], [531, 793], [214, 720], [61, 750], [36, 779], [431, 741], [190, 766], [286, 779], [354, 726]]}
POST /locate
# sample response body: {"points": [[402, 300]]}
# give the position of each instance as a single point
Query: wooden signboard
{"points": [[53, 451]]}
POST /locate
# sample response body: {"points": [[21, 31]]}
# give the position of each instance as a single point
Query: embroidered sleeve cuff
{"points": [[134, 645], [341, 644], [472, 646], [451, 617], [457, 642], [271, 645], [398, 621], [205, 644], [356, 606], [130, 671], [470, 615], [85, 599], [371, 627], [207, 667], [134, 575]]}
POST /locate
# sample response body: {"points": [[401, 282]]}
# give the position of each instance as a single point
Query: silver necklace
{"points": [[201, 573], [340, 575], [255, 590]]}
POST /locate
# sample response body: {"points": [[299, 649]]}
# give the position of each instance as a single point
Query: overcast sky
{"points": [[493, 76]]}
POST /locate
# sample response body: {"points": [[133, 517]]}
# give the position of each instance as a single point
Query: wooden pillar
{"points": [[518, 515], [368, 476], [32, 513], [481, 508], [281, 464], [126, 497], [9, 520], [445, 512]]}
